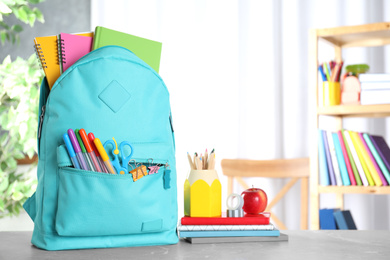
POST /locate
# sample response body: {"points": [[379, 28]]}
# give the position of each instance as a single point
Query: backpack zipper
{"points": [[41, 121]]}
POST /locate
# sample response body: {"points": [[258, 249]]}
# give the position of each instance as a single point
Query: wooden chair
{"points": [[294, 169]]}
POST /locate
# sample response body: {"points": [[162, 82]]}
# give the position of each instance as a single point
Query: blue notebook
{"points": [[327, 219], [234, 233], [323, 164], [344, 220], [329, 160]]}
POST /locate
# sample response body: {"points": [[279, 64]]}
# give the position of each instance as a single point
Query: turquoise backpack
{"points": [[111, 93]]}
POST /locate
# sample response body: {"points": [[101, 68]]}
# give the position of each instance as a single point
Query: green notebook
{"points": [[147, 50]]}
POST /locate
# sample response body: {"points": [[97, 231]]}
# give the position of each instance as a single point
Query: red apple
{"points": [[255, 200]]}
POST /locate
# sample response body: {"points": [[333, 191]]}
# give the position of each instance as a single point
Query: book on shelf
{"points": [[327, 220], [346, 159], [323, 165], [376, 171], [215, 240], [372, 175], [351, 160], [374, 77], [384, 152], [356, 159], [359, 147], [363, 159], [344, 220], [385, 172], [147, 50], [333, 155], [375, 97], [341, 162], [260, 219], [332, 176], [380, 85], [231, 233]]}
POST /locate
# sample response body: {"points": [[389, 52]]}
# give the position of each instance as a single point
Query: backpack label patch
{"points": [[114, 96]]}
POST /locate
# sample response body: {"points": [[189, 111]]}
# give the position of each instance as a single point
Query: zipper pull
{"points": [[170, 121], [167, 177], [41, 121]]}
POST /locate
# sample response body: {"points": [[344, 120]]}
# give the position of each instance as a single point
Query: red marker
{"points": [[90, 151], [91, 137]]}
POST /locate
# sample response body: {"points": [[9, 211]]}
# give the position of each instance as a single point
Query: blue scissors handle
{"points": [[125, 159], [120, 168]]}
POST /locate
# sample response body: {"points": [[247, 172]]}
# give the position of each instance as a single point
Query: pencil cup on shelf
{"points": [[202, 194], [331, 93]]}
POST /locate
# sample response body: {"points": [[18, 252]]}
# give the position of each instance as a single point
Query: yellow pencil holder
{"points": [[202, 194], [331, 93]]}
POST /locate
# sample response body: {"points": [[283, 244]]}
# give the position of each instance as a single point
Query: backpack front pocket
{"points": [[98, 204]]}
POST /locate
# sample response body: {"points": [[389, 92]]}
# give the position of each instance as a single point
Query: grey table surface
{"points": [[332, 244]]}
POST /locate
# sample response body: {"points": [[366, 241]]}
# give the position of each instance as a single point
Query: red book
{"points": [[261, 219]]}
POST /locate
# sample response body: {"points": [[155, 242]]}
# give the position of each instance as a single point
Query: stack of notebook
{"points": [[222, 229], [58, 53]]}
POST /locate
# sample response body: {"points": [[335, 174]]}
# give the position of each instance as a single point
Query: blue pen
{"points": [[71, 152], [322, 73], [77, 149]]}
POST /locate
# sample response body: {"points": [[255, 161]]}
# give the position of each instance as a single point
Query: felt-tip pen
{"points": [[91, 137], [90, 152], [104, 155], [71, 152], [77, 149], [84, 151]]}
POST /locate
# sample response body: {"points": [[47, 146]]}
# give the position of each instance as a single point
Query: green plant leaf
{"points": [[4, 9], [21, 14], [17, 195], [17, 28], [35, 1], [19, 93], [3, 35], [4, 184], [1, 205], [38, 15]]}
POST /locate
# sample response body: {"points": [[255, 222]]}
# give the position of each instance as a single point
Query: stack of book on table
{"points": [[223, 229], [375, 89]]}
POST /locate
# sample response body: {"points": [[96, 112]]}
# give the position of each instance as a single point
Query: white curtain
{"points": [[237, 75]]}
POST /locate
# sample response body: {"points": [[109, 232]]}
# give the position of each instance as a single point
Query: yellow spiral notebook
{"points": [[47, 51]]}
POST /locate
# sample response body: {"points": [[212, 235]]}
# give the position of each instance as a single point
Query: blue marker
{"points": [[71, 152]]}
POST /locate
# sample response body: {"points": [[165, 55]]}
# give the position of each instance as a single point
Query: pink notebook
{"points": [[346, 159], [73, 47]]}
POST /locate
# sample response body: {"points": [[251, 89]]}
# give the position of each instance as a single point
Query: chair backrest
{"points": [[294, 169]]}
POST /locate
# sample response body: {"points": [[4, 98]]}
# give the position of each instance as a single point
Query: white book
{"points": [[375, 97], [380, 85], [224, 227], [333, 155], [356, 158], [374, 77]]}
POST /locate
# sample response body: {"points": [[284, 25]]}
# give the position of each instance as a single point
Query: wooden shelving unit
{"points": [[368, 35]]}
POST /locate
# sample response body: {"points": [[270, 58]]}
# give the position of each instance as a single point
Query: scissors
{"points": [[120, 167]]}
